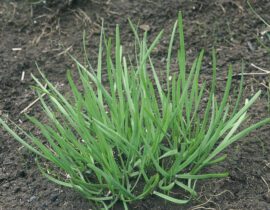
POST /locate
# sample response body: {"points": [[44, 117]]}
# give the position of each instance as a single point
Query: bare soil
{"points": [[37, 34]]}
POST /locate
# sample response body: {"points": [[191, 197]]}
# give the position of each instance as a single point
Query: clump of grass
{"points": [[110, 141]]}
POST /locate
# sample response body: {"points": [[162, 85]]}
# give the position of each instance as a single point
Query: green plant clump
{"points": [[136, 137]]}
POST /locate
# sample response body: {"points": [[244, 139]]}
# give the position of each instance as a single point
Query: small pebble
{"points": [[205, 100], [163, 60], [32, 198], [250, 46]]}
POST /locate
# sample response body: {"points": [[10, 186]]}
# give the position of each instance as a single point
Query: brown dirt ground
{"points": [[41, 30]]}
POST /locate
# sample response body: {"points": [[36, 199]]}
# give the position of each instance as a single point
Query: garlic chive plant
{"points": [[130, 138]]}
